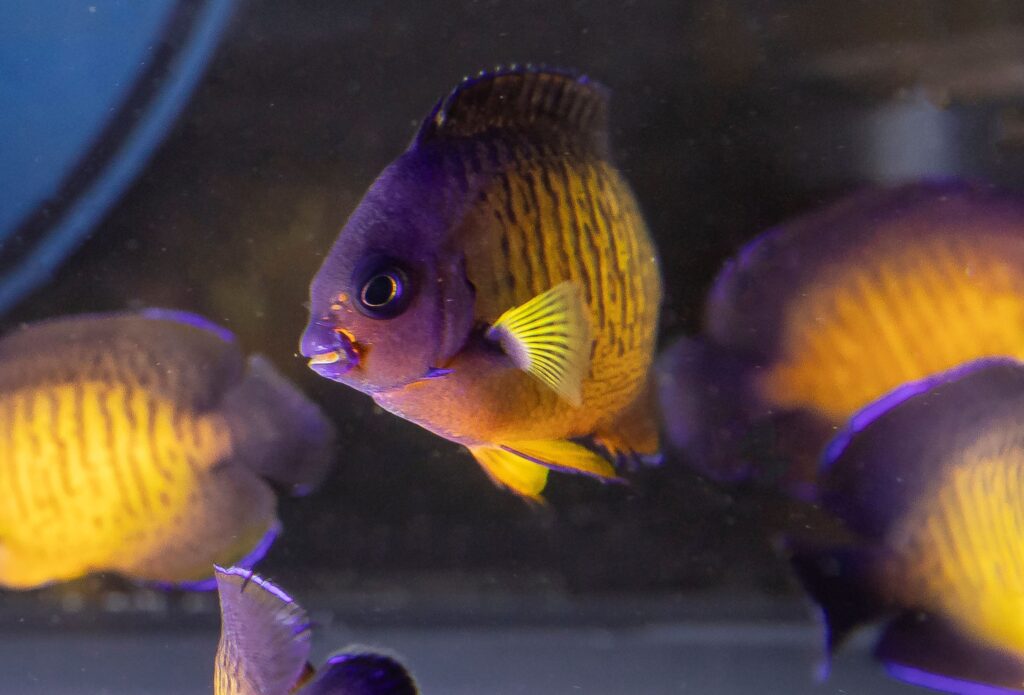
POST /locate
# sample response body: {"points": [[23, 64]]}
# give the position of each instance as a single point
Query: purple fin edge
{"points": [[874, 410], [745, 257], [245, 565], [251, 577], [189, 318], [948, 684]]}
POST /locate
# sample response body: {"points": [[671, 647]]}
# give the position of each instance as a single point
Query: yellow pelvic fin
{"points": [[523, 477], [565, 456], [549, 337]]}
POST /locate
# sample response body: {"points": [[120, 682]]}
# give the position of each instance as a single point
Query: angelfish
{"points": [[828, 312], [930, 481], [144, 444], [497, 284], [265, 643]]}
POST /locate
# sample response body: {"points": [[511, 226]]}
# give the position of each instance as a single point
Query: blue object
{"points": [[88, 89]]}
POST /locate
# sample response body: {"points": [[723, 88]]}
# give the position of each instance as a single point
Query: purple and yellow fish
{"points": [[930, 481], [822, 315], [265, 643], [144, 444], [497, 284]]}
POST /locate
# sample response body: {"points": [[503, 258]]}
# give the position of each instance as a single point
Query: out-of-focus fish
{"points": [[139, 443], [497, 284], [823, 315], [930, 479], [265, 643]]}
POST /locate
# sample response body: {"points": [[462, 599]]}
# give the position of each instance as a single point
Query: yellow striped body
{"points": [[497, 284], [895, 312], [959, 549], [105, 476], [541, 220]]}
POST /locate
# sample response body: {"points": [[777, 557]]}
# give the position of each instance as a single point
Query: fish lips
{"points": [[332, 353]]}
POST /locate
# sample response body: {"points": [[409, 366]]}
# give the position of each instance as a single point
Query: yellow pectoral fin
{"points": [[563, 455], [549, 337], [506, 469]]}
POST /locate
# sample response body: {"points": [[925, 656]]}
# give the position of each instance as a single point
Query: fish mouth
{"points": [[332, 352]]}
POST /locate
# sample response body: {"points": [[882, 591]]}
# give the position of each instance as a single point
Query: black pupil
{"points": [[380, 290]]}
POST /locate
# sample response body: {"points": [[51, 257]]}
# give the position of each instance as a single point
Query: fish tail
{"points": [[287, 438], [359, 671], [713, 415], [839, 581], [705, 401], [632, 439], [930, 651]]}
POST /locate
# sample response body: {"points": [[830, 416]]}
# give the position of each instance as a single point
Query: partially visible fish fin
{"points": [[189, 318], [287, 438], [549, 337], [359, 672], [308, 672], [563, 456], [704, 398], [544, 106], [525, 478], [928, 651], [839, 581], [632, 439], [264, 632]]}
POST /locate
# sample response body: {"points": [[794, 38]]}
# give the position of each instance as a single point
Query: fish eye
{"points": [[384, 290]]}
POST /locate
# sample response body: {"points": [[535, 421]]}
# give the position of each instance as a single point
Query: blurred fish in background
{"points": [[822, 315], [497, 284], [147, 445], [265, 644], [930, 481], [91, 89]]}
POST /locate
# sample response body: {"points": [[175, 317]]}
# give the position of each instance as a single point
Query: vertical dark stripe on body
{"points": [[163, 459], [505, 271], [47, 475], [519, 252], [575, 235], [10, 459], [78, 439], [61, 445], [98, 402], [533, 237], [606, 250], [591, 242], [557, 256], [136, 462]]}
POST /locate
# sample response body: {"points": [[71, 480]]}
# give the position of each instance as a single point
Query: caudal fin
{"points": [[284, 436], [361, 672], [839, 581], [928, 651], [702, 393], [712, 414]]}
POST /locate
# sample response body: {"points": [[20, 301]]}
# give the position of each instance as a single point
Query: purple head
{"points": [[391, 301]]}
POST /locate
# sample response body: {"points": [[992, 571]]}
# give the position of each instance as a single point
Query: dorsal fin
{"points": [[538, 103]]}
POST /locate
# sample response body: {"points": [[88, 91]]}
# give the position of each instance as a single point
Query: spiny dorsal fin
{"points": [[535, 102]]}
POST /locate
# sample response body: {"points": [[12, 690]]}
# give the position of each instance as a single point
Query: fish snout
{"points": [[332, 353]]}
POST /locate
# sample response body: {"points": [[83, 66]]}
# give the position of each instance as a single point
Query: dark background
{"points": [[728, 116]]}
